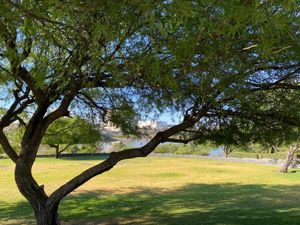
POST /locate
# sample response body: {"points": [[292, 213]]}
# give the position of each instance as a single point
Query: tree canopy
{"points": [[231, 67]]}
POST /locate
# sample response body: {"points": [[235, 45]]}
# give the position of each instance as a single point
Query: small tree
{"points": [[289, 158], [70, 131]]}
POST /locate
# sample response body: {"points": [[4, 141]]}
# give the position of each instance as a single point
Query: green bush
{"points": [[119, 146], [167, 148], [260, 155], [203, 153], [88, 149], [3, 156], [74, 149], [253, 151], [182, 149], [205, 147]]}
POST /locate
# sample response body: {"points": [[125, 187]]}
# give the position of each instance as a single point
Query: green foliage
{"points": [[74, 149], [259, 155], [162, 56], [71, 131], [88, 149], [184, 150], [126, 119], [119, 146], [167, 148], [189, 149]]}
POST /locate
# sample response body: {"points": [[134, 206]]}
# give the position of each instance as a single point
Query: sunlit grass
{"points": [[161, 191]]}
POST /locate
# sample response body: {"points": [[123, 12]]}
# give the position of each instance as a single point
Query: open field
{"points": [[161, 191]]}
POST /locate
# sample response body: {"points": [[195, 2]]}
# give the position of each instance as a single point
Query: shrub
{"points": [[74, 149], [120, 146], [89, 149], [187, 149], [184, 150], [166, 148]]}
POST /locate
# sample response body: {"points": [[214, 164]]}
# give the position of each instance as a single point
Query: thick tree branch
{"points": [[24, 75], [64, 149], [7, 147], [39, 123], [12, 113], [115, 157]]}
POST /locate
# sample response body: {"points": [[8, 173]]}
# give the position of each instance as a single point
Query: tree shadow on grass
{"points": [[193, 204], [16, 213]]}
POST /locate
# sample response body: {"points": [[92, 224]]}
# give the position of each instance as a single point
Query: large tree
{"points": [[223, 64]]}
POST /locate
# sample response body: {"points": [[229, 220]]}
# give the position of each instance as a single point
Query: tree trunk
{"points": [[45, 211], [273, 149], [288, 160], [46, 216], [56, 150], [227, 150], [57, 153], [226, 154]]}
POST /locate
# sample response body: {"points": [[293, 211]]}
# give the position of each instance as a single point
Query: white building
{"points": [[153, 124]]}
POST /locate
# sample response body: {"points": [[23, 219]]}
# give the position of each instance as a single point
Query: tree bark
{"points": [[227, 150], [45, 211], [226, 154], [46, 216], [56, 150], [273, 149], [288, 160]]}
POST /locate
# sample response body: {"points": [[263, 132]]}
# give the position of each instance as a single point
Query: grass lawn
{"points": [[161, 191]]}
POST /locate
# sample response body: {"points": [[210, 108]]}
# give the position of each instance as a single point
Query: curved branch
{"points": [[13, 111], [116, 157], [7, 147]]}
